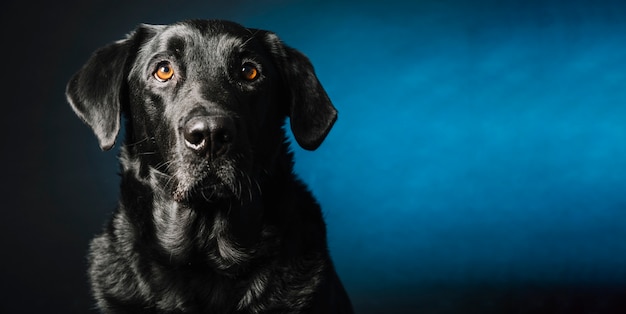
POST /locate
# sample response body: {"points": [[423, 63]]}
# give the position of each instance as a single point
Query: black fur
{"points": [[219, 223]]}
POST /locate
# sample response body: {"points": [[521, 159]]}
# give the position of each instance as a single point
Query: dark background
{"points": [[478, 164]]}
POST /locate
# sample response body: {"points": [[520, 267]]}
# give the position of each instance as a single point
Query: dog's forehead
{"points": [[208, 37]]}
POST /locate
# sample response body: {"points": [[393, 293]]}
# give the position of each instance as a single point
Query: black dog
{"points": [[211, 217]]}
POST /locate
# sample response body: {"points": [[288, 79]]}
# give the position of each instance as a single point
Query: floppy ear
{"points": [[311, 112], [97, 90]]}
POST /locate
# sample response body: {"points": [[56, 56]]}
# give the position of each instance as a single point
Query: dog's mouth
{"points": [[207, 182]]}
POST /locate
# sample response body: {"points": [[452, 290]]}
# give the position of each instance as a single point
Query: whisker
{"points": [[204, 195], [147, 153], [139, 142], [258, 186], [165, 164], [252, 34], [249, 187]]}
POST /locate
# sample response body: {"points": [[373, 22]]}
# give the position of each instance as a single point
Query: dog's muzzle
{"points": [[209, 135]]}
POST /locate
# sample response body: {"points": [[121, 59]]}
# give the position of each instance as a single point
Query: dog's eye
{"points": [[164, 71], [249, 71]]}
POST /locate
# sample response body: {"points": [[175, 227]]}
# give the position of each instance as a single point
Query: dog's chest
{"points": [[201, 255], [200, 292], [185, 235]]}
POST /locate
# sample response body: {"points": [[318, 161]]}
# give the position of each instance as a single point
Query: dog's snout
{"points": [[211, 135]]}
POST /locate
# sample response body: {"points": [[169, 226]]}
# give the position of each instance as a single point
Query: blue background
{"points": [[478, 163]]}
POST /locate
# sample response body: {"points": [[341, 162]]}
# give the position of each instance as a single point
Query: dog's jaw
{"points": [[210, 181], [174, 216]]}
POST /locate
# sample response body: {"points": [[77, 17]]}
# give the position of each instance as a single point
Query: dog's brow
{"points": [[175, 44], [252, 35], [228, 42]]}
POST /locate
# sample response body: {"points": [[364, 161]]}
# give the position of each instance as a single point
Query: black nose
{"points": [[211, 135]]}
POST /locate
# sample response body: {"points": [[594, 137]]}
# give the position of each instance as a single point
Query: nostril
{"points": [[196, 132], [222, 132], [222, 136]]}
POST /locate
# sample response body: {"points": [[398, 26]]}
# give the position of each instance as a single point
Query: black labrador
{"points": [[211, 218]]}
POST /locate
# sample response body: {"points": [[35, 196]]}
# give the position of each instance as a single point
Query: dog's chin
{"points": [[209, 189], [200, 185], [206, 181]]}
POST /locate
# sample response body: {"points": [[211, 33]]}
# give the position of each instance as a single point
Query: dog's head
{"points": [[205, 101]]}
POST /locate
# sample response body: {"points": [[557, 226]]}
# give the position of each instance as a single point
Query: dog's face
{"points": [[206, 96], [205, 102]]}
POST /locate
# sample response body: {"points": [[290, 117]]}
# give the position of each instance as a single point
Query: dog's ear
{"points": [[311, 112], [97, 90]]}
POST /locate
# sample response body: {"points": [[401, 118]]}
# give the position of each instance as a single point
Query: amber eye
{"points": [[164, 71], [249, 72]]}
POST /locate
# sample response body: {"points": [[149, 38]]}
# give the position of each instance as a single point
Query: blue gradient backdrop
{"points": [[479, 143]]}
